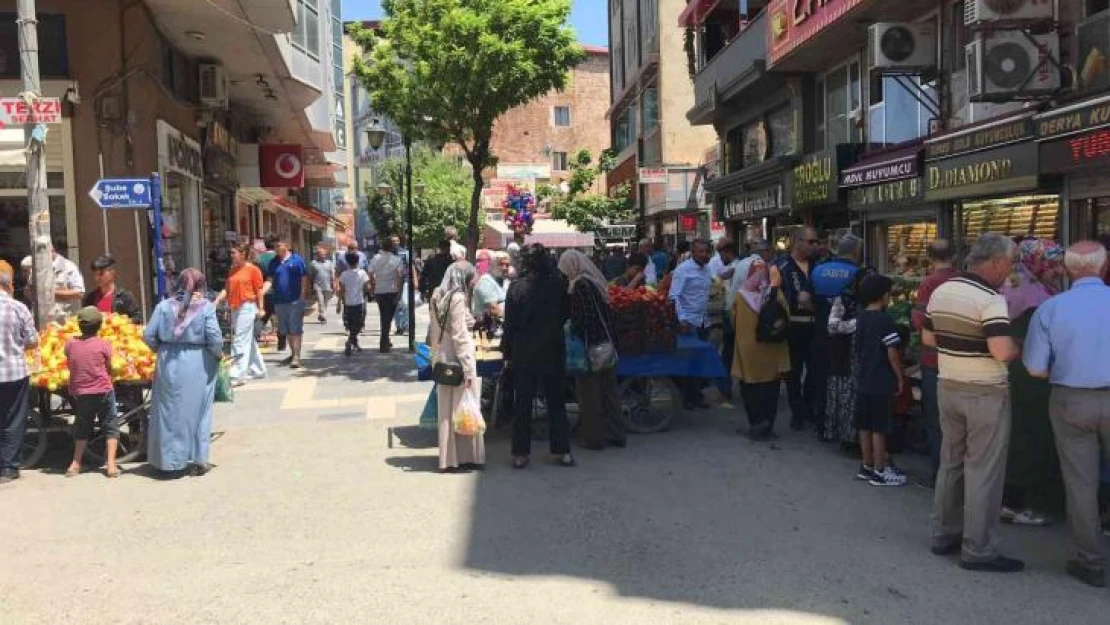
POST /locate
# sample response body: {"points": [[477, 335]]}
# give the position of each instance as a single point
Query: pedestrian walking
{"points": [[264, 260], [352, 289], [968, 321], [690, 293], [185, 334], [17, 336], [532, 345], [758, 366], [591, 319], [798, 289], [108, 297], [614, 264], [1066, 344], [244, 295], [89, 359], [451, 324], [323, 281], [289, 281], [940, 255], [401, 313], [386, 274]]}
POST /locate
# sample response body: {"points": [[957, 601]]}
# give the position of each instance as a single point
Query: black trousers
{"points": [[691, 387], [14, 398], [799, 387], [387, 307], [526, 384], [761, 402], [817, 380], [599, 408], [354, 317]]}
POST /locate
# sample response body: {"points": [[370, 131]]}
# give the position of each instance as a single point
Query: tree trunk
{"points": [[479, 156]]}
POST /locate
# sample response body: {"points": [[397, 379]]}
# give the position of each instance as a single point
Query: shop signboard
{"points": [[1006, 132], [619, 232], [753, 204], [794, 22], [888, 195], [688, 222], [178, 152], [653, 175], [902, 165], [15, 111], [816, 177], [1075, 137], [1008, 169]]}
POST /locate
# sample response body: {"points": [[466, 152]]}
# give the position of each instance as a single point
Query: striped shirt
{"points": [[17, 334], [963, 313]]}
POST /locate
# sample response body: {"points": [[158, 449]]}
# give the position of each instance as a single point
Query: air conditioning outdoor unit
{"points": [[213, 86], [1008, 65], [903, 46], [979, 11]]}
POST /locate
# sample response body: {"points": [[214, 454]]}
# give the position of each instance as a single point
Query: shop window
{"points": [[781, 126], [1025, 216], [53, 51], [559, 161], [819, 114], [306, 35], [561, 116], [755, 143], [898, 248]]}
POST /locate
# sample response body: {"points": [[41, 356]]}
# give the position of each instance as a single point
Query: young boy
{"points": [[352, 288], [90, 385], [878, 381]]}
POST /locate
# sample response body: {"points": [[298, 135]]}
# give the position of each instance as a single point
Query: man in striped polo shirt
{"points": [[967, 320]]}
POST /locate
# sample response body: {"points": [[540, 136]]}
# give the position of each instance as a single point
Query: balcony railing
{"points": [[731, 70]]}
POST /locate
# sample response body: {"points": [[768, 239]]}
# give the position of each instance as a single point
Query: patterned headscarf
{"points": [[755, 282], [189, 299], [577, 266], [457, 279], [1037, 275]]}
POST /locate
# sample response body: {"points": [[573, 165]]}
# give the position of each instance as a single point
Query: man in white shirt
{"points": [[386, 278], [720, 264], [690, 294], [69, 285], [352, 288]]}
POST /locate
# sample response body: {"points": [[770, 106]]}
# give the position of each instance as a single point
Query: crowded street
{"points": [[311, 517]]}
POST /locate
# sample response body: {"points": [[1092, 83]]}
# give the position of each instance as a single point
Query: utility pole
{"points": [[38, 207]]}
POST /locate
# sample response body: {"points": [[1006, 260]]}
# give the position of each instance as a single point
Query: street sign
{"points": [[16, 112], [121, 193]]}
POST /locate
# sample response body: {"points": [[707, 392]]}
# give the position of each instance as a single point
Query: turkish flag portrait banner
{"points": [[281, 166]]}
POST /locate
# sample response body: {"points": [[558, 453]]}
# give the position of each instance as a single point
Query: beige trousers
{"points": [[975, 424], [1081, 422]]}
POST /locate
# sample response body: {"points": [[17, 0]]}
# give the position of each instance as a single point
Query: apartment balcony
{"points": [[735, 69]]}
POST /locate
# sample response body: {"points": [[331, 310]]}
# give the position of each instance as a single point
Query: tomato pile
{"points": [[132, 359], [645, 321]]}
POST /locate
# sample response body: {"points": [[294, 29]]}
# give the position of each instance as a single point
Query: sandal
{"points": [[520, 462], [112, 473], [71, 472], [567, 461]]}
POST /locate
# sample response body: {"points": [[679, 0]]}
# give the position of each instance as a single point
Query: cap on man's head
{"points": [[89, 316], [103, 262]]}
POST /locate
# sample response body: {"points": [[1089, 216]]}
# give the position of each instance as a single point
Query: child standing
{"points": [[878, 380], [352, 288], [90, 385]]}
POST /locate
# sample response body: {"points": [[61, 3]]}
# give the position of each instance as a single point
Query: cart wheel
{"points": [[35, 439], [648, 404], [132, 439]]}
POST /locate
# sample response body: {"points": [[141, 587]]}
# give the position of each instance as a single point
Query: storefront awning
{"points": [[310, 216], [695, 12], [551, 233]]}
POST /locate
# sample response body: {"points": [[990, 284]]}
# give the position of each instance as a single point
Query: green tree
{"points": [[579, 205], [442, 202], [445, 70]]}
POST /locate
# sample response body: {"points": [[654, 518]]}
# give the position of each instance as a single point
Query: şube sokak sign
{"points": [[793, 22]]}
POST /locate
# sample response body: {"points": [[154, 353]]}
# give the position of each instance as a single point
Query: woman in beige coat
{"points": [[451, 337], [758, 366]]}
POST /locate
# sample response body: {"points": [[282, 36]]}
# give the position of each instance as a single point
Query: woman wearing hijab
{"points": [[591, 319], [1034, 486], [758, 366], [186, 336], [451, 323]]}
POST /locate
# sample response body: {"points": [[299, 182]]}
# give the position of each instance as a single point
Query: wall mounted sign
{"points": [[179, 153], [652, 175], [1008, 169], [688, 222], [793, 22], [901, 165], [888, 195], [1075, 137], [281, 165], [753, 204], [816, 177], [974, 140]]}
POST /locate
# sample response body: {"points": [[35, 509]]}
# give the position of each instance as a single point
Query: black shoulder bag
{"points": [[446, 373], [774, 322]]}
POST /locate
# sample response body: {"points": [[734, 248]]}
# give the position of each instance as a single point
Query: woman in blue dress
{"points": [[186, 335]]}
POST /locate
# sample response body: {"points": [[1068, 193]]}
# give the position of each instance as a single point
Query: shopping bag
{"points": [[224, 392], [429, 418], [577, 363], [424, 357], [468, 420]]}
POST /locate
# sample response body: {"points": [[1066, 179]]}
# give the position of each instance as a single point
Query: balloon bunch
{"points": [[519, 206]]}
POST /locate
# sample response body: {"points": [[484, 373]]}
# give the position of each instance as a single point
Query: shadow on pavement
{"points": [[414, 437], [418, 464]]}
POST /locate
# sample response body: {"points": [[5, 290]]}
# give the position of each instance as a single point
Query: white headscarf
{"points": [[577, 266]]}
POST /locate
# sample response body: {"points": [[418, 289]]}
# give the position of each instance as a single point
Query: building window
{"points": [[651, 109], [179, 74], [562, 116], [53, 53], [559, 161], [306, 36], [839, 106], [957, 39], [781, 127]]}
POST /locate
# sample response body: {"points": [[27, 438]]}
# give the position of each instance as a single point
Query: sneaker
{"points": [[1087, 575], [347, 349], [9, 475], [1000, 564], [887, 477], [1030, 517], [865, 473]]}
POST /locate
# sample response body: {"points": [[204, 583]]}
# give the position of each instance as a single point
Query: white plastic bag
{"points": [[468, 420]]}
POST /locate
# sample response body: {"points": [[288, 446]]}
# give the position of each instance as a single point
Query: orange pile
{"points": [[132, 359]]}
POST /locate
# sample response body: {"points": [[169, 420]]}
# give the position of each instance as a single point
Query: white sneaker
{"points": [[887, 477]]}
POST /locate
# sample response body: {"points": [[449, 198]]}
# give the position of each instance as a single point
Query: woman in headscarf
{"points": [[840, 391], [451, 324], [1034, 486], [758, 366], [184, 332], [591, 319]]}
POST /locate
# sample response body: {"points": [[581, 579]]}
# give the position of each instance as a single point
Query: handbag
{"points": [[446, 373], [773, 323], [602, 356]]}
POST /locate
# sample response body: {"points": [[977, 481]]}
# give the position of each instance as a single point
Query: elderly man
{"points": [[967, 320], [798, 289], [1066, 343], [690, 294], [17, 335], [69, 285]]}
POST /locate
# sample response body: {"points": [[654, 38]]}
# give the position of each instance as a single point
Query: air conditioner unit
{"points": [[979, 11], [213, 86], [1012, 65], [1093, 63], [903, 46]]}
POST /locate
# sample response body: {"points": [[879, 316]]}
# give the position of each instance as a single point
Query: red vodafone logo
{"points": [[288, 166]]}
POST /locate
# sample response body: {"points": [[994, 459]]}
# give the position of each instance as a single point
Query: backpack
{"points": [[773, 323]]}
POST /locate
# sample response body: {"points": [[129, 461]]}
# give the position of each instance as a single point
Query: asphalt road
{"points": [[310, 517]]}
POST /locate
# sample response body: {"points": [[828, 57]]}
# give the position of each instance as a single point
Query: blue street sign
{"points": [[122, 193]]}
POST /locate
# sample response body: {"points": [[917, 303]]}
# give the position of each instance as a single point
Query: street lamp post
{"points": [[375, 136]]}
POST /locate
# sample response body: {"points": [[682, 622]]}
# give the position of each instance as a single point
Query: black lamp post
{"points": [[375, 136]]}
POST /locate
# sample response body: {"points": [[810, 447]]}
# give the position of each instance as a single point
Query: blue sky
{"points": [[588, 18]]}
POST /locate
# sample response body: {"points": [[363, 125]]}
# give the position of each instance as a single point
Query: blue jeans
{"points": [[931, 407], [246, 357], [14, 397]]}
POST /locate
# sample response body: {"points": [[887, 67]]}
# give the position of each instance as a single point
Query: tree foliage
{"points": [[579, 205], [445, 70], [443, 201]]}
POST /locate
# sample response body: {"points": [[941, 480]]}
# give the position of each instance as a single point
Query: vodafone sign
{"points": [[281, 165]]}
